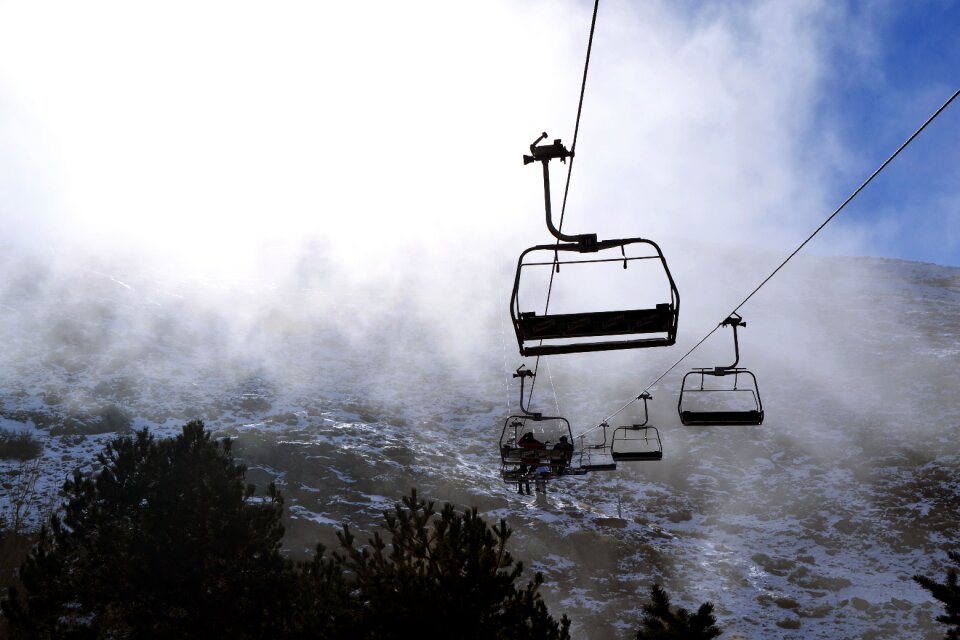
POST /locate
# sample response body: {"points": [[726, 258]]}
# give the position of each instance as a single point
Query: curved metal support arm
{"points": [[586, 242], [646, 415], [523, 373], [734, 321], [736, 349]]}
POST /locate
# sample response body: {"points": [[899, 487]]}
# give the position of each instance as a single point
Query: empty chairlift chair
{"points": [[637, 442], [650, 321], [595, 456], [721, 395], [629, 443]]}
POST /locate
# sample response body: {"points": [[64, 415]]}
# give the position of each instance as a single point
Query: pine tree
{"points": [[442, 575], [660, 622], [164, 541], [949, 594]]}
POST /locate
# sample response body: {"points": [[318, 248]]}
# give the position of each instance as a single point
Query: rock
{"points": [[789, 623], [775, 566], [786, 603], [821, 611], [845, 526]]}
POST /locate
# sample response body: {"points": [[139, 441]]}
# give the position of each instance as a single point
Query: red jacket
{"points": [[527, 441]]}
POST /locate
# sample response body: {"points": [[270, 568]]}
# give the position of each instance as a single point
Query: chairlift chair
{"points": [[724, 403], [596, 456], [519, 461], [592, 330], [516, 458], [637, 442], [629, 443]]}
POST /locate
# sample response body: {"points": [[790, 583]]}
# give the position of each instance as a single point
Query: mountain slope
{"points": [[807, 526]]}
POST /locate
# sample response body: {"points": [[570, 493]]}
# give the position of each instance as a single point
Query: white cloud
{"points": [[195, 131]]}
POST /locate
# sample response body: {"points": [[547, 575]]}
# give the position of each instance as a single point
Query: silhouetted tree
{"points": [[949, 594], [165, 541], [660, 622], [442, 575]]}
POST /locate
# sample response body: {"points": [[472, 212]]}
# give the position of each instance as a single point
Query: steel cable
{"points": [[566, 190]]}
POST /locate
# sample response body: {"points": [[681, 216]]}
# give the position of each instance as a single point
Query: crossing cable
{"points": [[788, 258], [503, 348], [566, 190]]}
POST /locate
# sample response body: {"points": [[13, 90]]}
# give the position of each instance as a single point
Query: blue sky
{"points": [[874, 100]]}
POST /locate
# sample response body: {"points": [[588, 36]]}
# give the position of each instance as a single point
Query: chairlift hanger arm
{"points": [[543, 154], [734, 321], [523, 373]]}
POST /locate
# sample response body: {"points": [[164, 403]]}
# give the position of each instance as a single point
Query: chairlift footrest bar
{"points": [[548, 350], [721, 417], [637, 457]]}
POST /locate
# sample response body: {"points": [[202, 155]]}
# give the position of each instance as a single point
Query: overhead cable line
{"points": [[788, 258], [566, 189]]}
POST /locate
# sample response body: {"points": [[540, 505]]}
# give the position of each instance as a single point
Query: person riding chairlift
{"points": [[566, 448], [527, 441]]}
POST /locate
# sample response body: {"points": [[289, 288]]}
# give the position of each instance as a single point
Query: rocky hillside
{"points": [[808, 526]]}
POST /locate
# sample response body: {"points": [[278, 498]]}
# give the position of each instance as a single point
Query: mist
{"points": [[218, 202]]}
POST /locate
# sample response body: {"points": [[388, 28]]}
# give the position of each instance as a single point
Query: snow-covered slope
{"points": [[808, 526]]}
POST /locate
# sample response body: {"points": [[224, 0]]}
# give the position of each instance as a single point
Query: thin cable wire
{"points": [[789, 257], [503, 348], [566, 188], [556, 398], [576, 127]]}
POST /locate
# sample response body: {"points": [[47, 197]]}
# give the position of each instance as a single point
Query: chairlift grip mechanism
{"points": [[523, 372]]}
